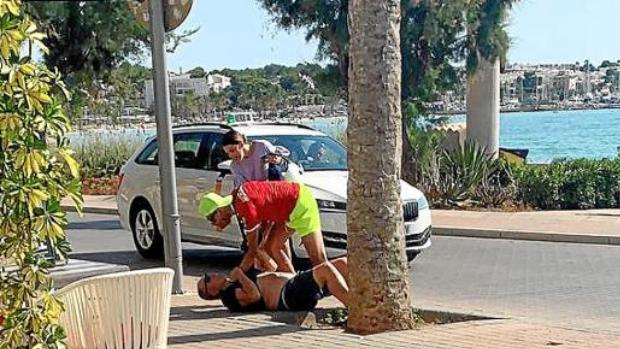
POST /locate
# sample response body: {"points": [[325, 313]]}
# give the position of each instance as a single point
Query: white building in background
{"points": [[217, 82], [185, 84], [181, 84]]}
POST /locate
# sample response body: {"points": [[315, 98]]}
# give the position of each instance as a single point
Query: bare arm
{"points": [[250, 255], [249, 292]]}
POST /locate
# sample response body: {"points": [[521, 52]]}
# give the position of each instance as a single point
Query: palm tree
{"points": [[377, 263], [487, 43]]}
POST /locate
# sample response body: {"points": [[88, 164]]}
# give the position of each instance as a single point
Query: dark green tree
{"points": [[607, 64], [188, 106], [279, 86], [325, 21], [587, 66], [87, 39], [435, 36], [487, 36], [197, 72]]}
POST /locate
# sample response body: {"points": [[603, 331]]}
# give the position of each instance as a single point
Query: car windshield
{"points": [[314, 153]]}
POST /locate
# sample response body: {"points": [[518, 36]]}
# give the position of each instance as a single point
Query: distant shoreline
{"points": [[538, 109], [149, 125]]}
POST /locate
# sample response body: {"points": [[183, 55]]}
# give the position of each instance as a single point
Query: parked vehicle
{"points": [[199, 161]]}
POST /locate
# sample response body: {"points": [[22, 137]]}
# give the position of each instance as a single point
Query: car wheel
{"points": [[411, 255], [146, 236]]}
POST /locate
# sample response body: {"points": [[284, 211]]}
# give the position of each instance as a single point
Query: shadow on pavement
{"points": [[105, 224], [261, 331], [195, 261], [198, 312]]}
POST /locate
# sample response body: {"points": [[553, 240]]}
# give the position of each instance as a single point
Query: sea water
{"points": [[549, 135]]}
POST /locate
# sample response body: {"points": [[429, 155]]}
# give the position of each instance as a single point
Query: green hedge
{"points": [[103, 158], [570, 184]]}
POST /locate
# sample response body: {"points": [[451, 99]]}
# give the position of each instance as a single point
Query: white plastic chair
{"points": [[116, 311]]}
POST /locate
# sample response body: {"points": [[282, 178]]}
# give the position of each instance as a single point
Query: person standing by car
{"points": [[248, 159]]}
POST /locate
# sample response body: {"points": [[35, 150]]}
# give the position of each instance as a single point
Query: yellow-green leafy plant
{"points": [[37, 170]]}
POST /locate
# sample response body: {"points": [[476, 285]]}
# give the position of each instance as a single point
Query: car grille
{"points": [[339, 240], [335, 240], [418, 239], [410, 211]]}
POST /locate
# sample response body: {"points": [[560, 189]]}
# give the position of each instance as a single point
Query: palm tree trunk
{"points": [[483, 106], [377, 263]]}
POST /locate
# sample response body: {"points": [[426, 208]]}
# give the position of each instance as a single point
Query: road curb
{"points": [[526, 235], [458, 232], [86, 209]]}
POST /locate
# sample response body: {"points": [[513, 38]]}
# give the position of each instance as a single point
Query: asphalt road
{"points": [[575, 285]]}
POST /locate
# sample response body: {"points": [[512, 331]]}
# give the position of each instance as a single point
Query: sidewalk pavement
{"points": [[587, 226], [201, 324]]}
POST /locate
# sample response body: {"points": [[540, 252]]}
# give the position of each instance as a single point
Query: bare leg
{"points": [[277, 247], [341, 265], [313, 243], [327, 274], [287, 246]]}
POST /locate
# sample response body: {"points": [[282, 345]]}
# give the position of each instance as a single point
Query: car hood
{"points": [[333, 186]]}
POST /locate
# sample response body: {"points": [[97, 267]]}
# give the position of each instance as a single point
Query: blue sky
{"points": [[238, 34], [547, 31]]}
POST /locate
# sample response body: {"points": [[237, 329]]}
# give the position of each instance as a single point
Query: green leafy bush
{"points": [[571, 184], [99, 158], [37, 170]]}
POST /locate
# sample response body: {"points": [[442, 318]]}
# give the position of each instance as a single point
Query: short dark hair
{"points": [[203, 293], [234, 137]]}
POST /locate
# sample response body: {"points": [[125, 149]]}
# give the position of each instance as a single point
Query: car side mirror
{"points": [[224, 167]]}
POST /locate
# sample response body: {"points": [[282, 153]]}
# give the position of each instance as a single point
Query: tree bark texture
{"points": [[376, 243]]}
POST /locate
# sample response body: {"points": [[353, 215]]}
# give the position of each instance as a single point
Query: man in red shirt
{"points": [[280, 202]]}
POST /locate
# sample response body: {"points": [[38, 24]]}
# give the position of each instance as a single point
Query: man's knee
{"points": [[342, 261], [323, 271]]}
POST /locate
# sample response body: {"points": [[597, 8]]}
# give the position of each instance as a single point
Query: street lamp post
{"points": [[167, 175]]}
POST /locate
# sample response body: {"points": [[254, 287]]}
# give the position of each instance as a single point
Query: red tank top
{"points": [[265, 201]]}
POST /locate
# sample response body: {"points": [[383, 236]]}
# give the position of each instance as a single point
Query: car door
{"points": [[214, 153], [189, 163]]}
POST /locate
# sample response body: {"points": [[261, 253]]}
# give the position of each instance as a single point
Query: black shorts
{"points": [[300, 293]]}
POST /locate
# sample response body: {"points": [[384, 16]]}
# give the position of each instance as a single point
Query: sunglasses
{"points": [[211, 217]]}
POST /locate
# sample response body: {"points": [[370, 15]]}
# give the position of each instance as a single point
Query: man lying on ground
{"points": [[276, 290], [278, 202]]}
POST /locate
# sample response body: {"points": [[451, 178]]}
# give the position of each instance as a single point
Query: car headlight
{"points": [[332, 205], [422, 203]]}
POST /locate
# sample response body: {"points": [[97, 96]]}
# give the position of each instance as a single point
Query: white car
{"points": [[199, 161]]}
